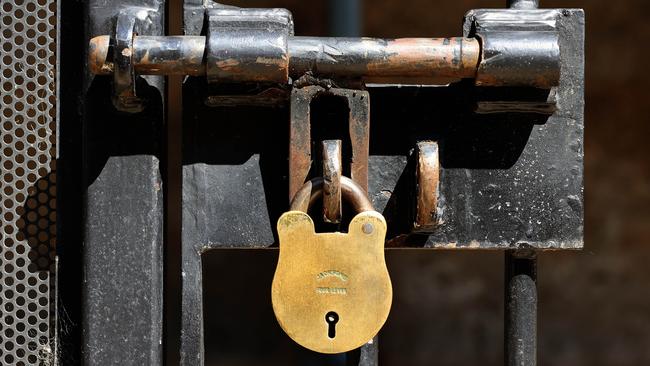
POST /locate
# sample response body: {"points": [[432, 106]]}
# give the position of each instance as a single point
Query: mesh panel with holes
{"points": [[27, 180]]}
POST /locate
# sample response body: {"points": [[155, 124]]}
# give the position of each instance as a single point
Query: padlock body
{"points": [[323, 273]]}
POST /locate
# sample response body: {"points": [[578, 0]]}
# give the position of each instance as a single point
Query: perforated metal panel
{"points": [[28, 181]]}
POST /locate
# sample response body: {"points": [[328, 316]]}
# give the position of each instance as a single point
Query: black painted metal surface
{"points": [[122, 243]]}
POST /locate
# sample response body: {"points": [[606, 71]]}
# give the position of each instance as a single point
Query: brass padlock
{"points": [[331, 292]]}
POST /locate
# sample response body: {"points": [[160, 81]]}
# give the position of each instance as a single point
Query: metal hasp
{"points": [[300, 141]]}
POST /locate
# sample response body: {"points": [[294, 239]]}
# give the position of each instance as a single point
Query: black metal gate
{"points": [[486, 157]]}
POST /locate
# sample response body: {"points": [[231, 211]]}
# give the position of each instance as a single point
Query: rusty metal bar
{"points": [[258, 46], [153, 55], [421, 60], [172, 55], [332, 171]]}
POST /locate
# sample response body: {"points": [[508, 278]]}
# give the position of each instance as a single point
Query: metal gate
{"points": [[484, 153]]}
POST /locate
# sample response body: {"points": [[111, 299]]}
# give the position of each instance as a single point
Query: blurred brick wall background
{"points": [[594, 305]]}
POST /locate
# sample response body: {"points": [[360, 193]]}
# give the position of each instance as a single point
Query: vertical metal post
{"points": [[520, 345], [520, 309], [520, 330], [123, 209], [521, 287]]}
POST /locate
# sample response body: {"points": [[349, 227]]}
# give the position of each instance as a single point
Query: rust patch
{"points": [[127, 52], [427, 58], [279, 62], [97, 55], [230, 65], [300, 137]]}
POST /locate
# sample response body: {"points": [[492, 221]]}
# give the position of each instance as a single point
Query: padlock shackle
{"points": [[313, 190]]}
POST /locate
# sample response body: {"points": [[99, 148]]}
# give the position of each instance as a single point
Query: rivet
{"points": [[367, 228]]}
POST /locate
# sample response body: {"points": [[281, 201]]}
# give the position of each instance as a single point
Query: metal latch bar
{"points": [[257, 46], [417, 60]]}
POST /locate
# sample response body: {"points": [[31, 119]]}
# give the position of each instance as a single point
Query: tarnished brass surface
{"points": [[323, 273]]}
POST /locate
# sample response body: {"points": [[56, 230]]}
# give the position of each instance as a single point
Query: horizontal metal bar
{"points": [[385, 60], [420, 60], [153, 55], [175, 55]]}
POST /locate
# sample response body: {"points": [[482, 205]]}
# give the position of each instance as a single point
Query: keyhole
{"points": [[331, 318]]}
